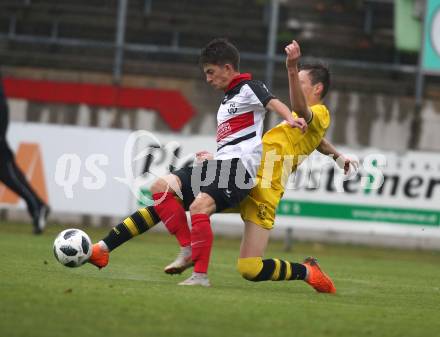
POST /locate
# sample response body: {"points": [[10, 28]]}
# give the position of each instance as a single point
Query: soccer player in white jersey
{"points": [[225, 181]]}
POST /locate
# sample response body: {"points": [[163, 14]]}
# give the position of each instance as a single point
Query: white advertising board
{"points": [[79, 165], [94, 171]]}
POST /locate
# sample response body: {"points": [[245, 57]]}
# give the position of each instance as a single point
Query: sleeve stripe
{"points": [[311, 117], [260, 90]]}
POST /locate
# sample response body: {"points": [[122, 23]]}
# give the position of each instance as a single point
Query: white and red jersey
{"points": [[240, 122]]}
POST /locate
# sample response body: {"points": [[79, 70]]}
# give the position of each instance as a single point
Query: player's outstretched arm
{"points": [[297, 98], [328, 149], [281, 109]]}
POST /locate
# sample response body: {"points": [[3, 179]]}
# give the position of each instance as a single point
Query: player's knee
{"points": [[195, 207], [249, 267], [159, 186], [198, 206]]}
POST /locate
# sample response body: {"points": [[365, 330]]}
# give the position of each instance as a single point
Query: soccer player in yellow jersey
{"points": [[283, 150]]}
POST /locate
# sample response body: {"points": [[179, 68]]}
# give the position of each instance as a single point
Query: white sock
{"points": [[307, 275], [186, 251], [103, 245]]}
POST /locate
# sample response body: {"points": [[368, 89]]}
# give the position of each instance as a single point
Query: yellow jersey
{"points": [[284, 148], [283, 140], [295, 142]]}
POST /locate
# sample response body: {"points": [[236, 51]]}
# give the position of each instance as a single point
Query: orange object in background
{"points": [[30, 161]]}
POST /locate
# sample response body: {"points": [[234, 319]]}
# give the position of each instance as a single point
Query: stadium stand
{"points": [[74, 40], [181, 24]]}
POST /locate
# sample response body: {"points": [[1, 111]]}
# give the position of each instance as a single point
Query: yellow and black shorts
{"points": [[260, 205], [263, 199]]}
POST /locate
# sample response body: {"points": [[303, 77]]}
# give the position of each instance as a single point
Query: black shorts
{"points": [[226, 181]]}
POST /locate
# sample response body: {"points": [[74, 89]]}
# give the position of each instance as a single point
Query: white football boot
{"points": [[39, 219], [181, 263], [196, 279]]}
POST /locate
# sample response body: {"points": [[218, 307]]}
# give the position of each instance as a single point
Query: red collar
{"points": [[237, 79]]}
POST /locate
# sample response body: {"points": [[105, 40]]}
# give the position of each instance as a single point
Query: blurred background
{"points": [[155, 44], [71, 63]]}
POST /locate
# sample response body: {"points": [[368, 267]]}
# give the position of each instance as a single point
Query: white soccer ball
{"points": [[72, 247]]}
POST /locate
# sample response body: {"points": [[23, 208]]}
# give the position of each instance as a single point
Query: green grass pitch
{"points": [[380, 292]]}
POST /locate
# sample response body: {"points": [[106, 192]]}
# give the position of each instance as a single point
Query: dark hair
{"points": [[318, 73], [220, 52]]}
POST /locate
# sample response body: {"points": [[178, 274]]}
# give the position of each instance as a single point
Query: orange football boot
{"points": [[317, 278], [99, 256]]}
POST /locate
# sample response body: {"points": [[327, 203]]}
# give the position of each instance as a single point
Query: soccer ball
{"points": [[72, 247]]}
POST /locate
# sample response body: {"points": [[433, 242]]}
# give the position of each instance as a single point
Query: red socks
{"points": [[201, 242], [173, 216]]}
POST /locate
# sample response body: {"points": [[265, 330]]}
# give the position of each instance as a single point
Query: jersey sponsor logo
{"points": [[30, 161], [262, 211], [235, 124], [223, 130], [232, 108]]}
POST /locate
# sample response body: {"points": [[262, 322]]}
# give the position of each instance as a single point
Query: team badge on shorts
{"points": [[261, 211]]}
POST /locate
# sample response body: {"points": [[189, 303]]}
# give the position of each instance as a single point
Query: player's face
{"points": [[218, 76], [311, 92], [306, 83]]}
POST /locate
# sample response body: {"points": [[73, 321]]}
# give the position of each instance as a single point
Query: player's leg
{"points": [[137, 223], [254, 240], [229, 186], [253, 268], [201, 238], [172, 213], [4, 114], [13, 178], [258, 212], [169, 210], [251, 265]]}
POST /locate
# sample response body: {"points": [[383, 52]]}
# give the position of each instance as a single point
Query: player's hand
{"points": [[204, 155], [299, 123], [293, 52], [347, 163]]}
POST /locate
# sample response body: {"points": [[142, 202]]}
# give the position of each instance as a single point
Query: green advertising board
{"points": [[431, 44], [407, 27]]}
